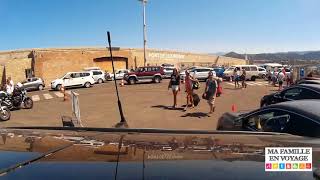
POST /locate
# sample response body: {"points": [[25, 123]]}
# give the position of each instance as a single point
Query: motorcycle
{"points": [[17, 100], [4, 112]]}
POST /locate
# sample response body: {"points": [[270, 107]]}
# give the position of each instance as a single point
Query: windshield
{"points": [[140, 97], [156, 41]]}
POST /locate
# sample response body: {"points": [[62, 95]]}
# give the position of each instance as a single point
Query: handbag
{"points": [[205, 96], [196, 85]]}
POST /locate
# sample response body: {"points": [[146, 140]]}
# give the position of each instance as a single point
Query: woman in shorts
{"points": [[174, 84], [189, 89], [210, 91]]}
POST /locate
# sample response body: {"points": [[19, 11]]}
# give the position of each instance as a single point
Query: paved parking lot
{"points": [[145, 105]]}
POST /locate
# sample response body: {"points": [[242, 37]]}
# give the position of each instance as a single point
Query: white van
{"points": [[271, 66], [99, 75], [74, 79], [251, 70]]}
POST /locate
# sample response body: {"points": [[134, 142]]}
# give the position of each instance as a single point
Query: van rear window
{"points": [[253, 68]]}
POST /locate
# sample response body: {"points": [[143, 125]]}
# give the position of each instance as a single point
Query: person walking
{"points": [[236, 75], [189, 80], [243, 78], [281, 77], [174, 84], [269, 75], [210, 91]]}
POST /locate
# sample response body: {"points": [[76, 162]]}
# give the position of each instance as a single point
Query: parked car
{"points": [[251, 70], [74, 79], [271, 66], [98, 75], [262, 72], [168, 71], [200, 73], [300, 118], [306, 81], [147, 73], [219, 71], [296, 92], [288, 72], [33, 83], [119, 74]]}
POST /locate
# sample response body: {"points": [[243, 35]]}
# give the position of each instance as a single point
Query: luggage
{"points": [[219, 91], [196, 99]]}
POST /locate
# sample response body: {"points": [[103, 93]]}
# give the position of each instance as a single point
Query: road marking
{"points": [[252, 84], [231, 84], [35, 98], [47, 96], [59, 94]]}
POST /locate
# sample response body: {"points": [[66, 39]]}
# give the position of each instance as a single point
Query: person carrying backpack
{"points": [[210, 92]]}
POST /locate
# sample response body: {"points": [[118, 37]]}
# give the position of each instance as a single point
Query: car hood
{"points": [[56, 80], [149, 154], [131, 73]]}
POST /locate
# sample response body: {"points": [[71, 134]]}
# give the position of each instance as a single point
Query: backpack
{"points": [[196, 99]]}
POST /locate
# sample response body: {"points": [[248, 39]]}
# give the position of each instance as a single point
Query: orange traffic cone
{"points": [[122, 83], [234, 108]]}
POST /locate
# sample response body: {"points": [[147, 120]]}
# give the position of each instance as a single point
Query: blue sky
{"points": [[251, 26]]}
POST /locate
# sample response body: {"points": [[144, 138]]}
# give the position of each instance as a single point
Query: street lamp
{"points": [[144, 2]]}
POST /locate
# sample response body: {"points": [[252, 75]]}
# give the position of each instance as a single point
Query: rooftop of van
{"points": [[243, 65]]}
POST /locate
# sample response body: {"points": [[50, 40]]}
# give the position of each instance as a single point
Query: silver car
{"points": [[33, 83]]}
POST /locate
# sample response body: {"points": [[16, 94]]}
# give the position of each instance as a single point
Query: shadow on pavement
{"points": [[167, 107], [196, 114]]}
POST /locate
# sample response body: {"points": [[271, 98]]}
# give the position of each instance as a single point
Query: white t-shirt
{"points": [[280, 76]]}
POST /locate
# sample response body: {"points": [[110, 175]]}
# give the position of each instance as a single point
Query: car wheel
{"points": [[253, 78], [40, 87], [157, 79], [58, 87], [100, 81], [132, 80], [87, 85], [263, 76]]}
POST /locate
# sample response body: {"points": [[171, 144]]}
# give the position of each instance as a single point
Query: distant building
{"points": [[52, 63]]}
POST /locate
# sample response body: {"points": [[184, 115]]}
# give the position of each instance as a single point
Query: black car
{"points": [[306, 81], [297, 92], [301, 117], [53, 153]]}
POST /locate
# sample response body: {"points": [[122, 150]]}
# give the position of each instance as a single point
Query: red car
{"points": [[143, 74]]}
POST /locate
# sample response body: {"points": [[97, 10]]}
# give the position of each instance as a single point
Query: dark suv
{"points": [[143, 74]]}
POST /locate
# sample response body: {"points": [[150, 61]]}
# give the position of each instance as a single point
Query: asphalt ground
{"points": [[145, 105]]}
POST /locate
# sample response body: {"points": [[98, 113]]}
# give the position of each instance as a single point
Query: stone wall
{"points": [[15, 68], [53, 63]]}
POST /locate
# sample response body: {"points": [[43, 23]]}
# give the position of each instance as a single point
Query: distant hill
{"points": [[282, 56]]}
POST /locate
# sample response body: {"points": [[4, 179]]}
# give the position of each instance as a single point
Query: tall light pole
{"points": [[144, 2]]}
